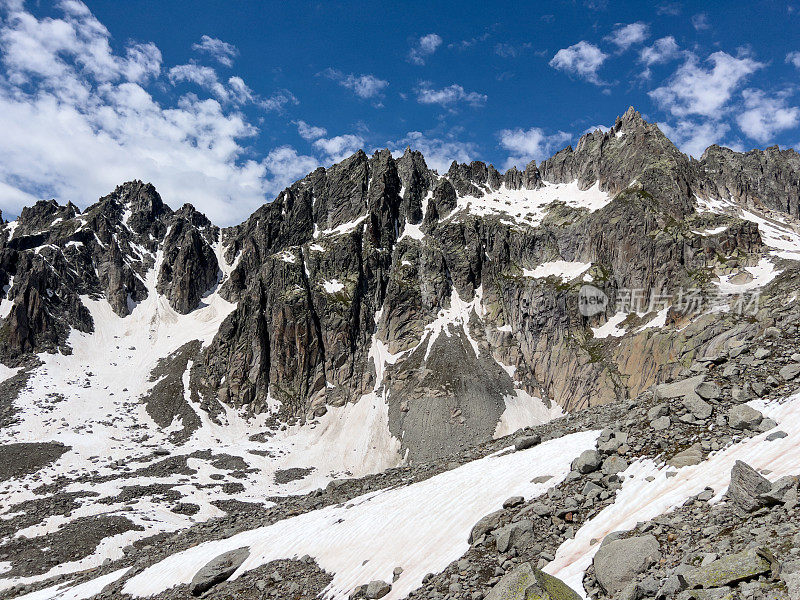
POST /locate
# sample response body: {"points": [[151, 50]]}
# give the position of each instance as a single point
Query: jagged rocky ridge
{"points": [[378, 248]]}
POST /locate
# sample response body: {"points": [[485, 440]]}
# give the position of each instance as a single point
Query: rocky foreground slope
{"points": [[319, 400]]}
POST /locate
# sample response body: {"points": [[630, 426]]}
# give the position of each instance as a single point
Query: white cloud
{"points": [[663, 50], [692, 89], [222, 52], [694, 137], [287, 166], [205, 77], [439, 153], [310, 132], [340, 147], [531, 144], [793, 58], [364, 86], [423, 48], [77, 120], [700, 21], [764, 117], [582, 59], [235, 92], [624, 36], [452, 94]]}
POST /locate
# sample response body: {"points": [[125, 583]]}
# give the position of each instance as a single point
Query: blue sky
{"points": [[223, 104]]}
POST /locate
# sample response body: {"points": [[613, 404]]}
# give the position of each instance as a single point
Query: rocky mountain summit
{"points": [[345, 368]]}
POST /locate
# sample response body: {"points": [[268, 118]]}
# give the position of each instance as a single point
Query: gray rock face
{"points": [[190, 266], [616, 563], [377, 249], [747, 486], [218, 570], [525, 582]]}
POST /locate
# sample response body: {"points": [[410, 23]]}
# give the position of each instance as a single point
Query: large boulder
{"points": [[588, 462], [218, 570], [744, 417], [678, 389], [525, 582], [484, 526], [731, 569], [513, 535], [619, 561], [747, 486]]}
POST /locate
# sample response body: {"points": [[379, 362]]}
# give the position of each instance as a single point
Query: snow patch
{"points": [[529, 207], [562, 269], [361, 541], [523, 410], [78, 592], [332, 286], [761, 274], [609, 328]]}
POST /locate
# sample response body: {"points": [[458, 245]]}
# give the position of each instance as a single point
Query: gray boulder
{"points": [[613, 465], [790, 372], [514, 535], [588, 462], [744, 417], [666, 391], [377, 589], [218, 570], [747, 486], [485, 525], [697, 406], [693, 455], [708, 390], [731, 569], [783, 489], [525, 582], [661, 423], [618, 562], [529, 441]]}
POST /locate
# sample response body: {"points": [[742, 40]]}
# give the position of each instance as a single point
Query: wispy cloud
{"points": [[310, 132], [423, 48], [793, 58], [364, 86], [222, 52], [448, 96], [625, 36], [582, 60], [234, 91], [700, 22]]}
